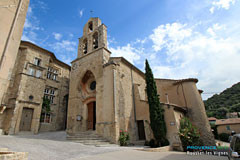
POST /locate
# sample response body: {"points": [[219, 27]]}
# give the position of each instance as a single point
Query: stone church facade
{"points": [[97, 93], [108, 94]]}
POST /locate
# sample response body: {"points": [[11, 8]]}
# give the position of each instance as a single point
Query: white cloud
{"points": [[173, 33], [81, 13], [66, 59], [218, 4], [57, 36], [213, 60], [64, 45], [180, 51], [128, 52], [214, 29], [31, 26]]}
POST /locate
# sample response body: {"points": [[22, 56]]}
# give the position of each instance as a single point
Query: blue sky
{"points": [[180, 38]]}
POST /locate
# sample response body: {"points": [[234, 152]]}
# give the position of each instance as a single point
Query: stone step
{"points": [[139, 143], [88, 138], [84, 137], [1, 132], [91, 141]]}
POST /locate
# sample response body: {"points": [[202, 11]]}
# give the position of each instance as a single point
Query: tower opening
{"points": [[90, 26], [85, 46], [95, 40]]}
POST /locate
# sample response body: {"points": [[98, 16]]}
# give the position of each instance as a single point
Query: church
{"points": [[97, 94], [107, 94]]}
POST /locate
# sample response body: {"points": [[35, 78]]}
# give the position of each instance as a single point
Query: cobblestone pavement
{"points": [[53, 146]]}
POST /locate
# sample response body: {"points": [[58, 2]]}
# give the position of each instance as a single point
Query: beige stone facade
{"points": [[37, 74], [108, 94], [12, 18], [228, 125]]}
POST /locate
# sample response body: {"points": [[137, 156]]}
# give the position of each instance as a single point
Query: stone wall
{"points": [[232, 127], [12, 15], [23, 86]]}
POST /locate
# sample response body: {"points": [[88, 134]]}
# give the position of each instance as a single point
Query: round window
{"points": [[93, 85]]}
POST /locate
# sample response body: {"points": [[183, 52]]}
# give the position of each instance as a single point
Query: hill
{"points": [[227, 101]]}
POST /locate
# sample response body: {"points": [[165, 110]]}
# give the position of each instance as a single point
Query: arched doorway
{"points": [[91, 121]]}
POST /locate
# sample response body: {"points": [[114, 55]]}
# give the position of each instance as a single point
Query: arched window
{"points": [[85, 46], [95, 40], [90, 26]]}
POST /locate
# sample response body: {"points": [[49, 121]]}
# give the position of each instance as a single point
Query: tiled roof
{"points": [[212, 119], [228, 121]]}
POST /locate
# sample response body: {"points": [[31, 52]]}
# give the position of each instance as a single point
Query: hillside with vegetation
{"points": [[227, 101]]}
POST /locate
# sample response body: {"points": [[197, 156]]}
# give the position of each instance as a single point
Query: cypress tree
{"points": [[156, 110]]}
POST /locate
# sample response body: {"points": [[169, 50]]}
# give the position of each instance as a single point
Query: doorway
{"points": [[141, 131], [91, 115], [26, 119]]}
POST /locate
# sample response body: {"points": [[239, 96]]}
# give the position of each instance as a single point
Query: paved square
{"points": [[53, 146]]}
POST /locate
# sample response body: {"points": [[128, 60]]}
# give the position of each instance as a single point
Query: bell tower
{"points": [[87, 79], [94, 37]]}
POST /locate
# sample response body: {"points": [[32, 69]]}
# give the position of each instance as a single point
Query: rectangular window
{"points": [[228, 128], [37, 61], [45, 118], [46, 96], [46, 90], [49, 75], [52, 73], [54, 77], [52, 92], [38, 73], [31, 71], [51, 99]]}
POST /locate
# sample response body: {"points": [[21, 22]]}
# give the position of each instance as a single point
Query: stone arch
{"points": [[95, 40], [85, 46], [84, 84]]}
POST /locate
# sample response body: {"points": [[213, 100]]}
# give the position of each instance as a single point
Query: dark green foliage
{"points": [[214, 130], [228, 99], [155, 108], [153, 143], [188, 134], [235, 108], [46, 106], [224, 137]]}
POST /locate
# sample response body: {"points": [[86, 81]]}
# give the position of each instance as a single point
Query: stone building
{"points": [[228, 125], [12, 18], [108, 94], [37, 73]]}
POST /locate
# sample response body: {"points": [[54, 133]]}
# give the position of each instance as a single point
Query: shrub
{"points": [[153, 143], [146, 143], [223, 137], [188, 134], [214, 130], [123, 138]]}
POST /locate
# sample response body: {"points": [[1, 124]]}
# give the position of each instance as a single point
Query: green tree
{"points": [[221, 112], [46, 105], [235, 108], [155, 108]]}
